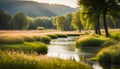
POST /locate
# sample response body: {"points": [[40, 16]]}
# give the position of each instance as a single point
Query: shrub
{"points": [[110, 55], [40, 28]]}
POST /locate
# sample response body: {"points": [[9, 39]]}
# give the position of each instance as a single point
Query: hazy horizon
{"points": [[71, 3]]}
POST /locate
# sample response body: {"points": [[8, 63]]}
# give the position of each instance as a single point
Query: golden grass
{"points": [[20, 60]]}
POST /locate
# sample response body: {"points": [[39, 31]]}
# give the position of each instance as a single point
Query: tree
{"points": [[43, 22], [91, 9], [76, 23], [109, 5], [60, 23], [5, 20], [20, 21], [101, 7], [68, 19]]}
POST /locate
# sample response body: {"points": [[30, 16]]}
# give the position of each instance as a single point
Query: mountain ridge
{"points": [[35, 9]]}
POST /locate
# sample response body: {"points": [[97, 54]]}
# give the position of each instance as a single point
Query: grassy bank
{"points": [[19, 39], [92, 41], [110, 54], [27, 47], [19, 60]]}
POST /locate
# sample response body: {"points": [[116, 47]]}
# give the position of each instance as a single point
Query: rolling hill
{"points": [[34, 9]]}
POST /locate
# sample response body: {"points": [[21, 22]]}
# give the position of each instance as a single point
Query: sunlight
{"points": [[71, 3]]}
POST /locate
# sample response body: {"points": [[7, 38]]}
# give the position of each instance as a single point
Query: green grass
{"points": [[110, 54], [92, 41], [45, 39], [38, 47], [20, 39], [20, 60]]}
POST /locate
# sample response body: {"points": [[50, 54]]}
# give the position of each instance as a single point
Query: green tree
{"points": [[101, 6], [107, 7], [5, 20], [20, 21], [43, 22], [76, 23], [68, 19], [60, 23], [89, 8]]}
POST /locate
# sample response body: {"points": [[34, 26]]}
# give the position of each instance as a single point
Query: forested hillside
{"points": [[34, 9]]}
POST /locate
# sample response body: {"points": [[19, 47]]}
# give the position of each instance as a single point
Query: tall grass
{"points": [[20, 39], [5, 39], [38, 47], [19, 60], [110, 55], [92, 41]]}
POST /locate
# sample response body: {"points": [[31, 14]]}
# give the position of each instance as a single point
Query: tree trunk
{"points": [[95, 28], [98, 24], [105, 24]]}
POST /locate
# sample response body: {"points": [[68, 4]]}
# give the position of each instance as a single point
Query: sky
{"points": [[71, 3]]}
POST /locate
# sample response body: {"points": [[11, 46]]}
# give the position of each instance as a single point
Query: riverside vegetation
{"points": [[110, 52], [20, 60], [22, 51]]}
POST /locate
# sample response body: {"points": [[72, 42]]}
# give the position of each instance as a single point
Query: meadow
{"points": [[26, 49], [30, 40], [20, 60]]}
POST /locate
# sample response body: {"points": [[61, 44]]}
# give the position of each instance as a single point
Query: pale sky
{"points": [[72, 3]]}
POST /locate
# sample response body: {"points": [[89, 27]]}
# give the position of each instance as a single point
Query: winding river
{"points": [[64, 48]]}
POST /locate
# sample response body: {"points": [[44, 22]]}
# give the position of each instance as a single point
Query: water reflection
{"points": [[64, 48]]}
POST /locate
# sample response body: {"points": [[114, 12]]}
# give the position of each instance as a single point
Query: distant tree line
{"points": [[71, 21]]}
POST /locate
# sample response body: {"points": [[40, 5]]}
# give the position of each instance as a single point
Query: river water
{"points": [[64, 48]]}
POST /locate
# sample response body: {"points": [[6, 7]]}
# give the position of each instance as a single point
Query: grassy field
{"points": [[20, 60], [21, 49]]}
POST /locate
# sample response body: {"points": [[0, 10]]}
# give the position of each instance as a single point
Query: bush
{"points": [[40, 28], [20, 60], [110, 55], [91, 41]]}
